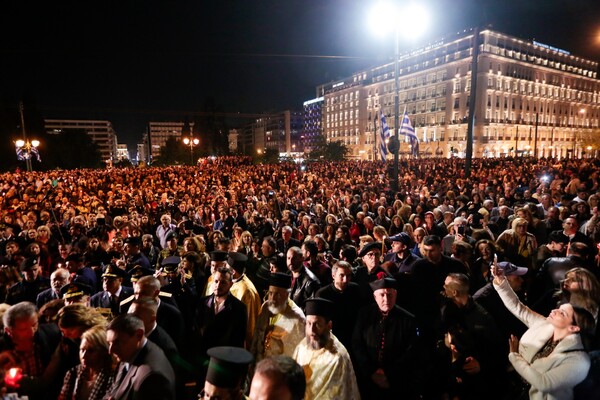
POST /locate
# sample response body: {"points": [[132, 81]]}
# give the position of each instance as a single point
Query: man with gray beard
{"points": [[280, 324]]}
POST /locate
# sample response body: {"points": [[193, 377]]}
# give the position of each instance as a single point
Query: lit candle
{"points": [[13, 377]]}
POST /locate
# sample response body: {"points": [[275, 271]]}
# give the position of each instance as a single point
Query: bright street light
{"points": [[409, 21], [191, 142]]}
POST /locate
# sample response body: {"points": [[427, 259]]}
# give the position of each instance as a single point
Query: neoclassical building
{"points": [[530, 98]]}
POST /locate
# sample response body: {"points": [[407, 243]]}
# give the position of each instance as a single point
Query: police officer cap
{"points": [[75, 289], [112, 271], [29, 263], [171, 260], [138, 272], [133, 241]]}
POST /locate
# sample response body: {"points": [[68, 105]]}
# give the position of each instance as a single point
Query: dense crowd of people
{"points": [[296, 281]]}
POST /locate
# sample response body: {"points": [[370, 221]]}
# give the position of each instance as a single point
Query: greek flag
{"points": [[385, 134], [23, 155], [406, 129]]}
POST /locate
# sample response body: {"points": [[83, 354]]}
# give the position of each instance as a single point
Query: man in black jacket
{"points": [[221, 317], [113, 292], [144, 372], [304, 283], [386, 368]]}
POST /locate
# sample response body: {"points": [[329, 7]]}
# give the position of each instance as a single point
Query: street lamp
{"points": [[410, 21], [191, 141], [26, 150]]}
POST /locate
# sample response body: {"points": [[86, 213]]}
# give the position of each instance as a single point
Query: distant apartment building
{"points": [[102, 133], [312, 127], [281, 131], [142, 151], [160, 132], [529, 98], [122, 152]]}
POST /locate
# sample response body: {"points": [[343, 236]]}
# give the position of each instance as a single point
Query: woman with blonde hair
{"points": [[518, 245], [245, 246], [93, 377]]}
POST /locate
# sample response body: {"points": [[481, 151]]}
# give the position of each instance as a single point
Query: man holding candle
{"points": [[28, 347]]}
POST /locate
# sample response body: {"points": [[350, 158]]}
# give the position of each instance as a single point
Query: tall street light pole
{"points": [[414, 23], [192, 141]]}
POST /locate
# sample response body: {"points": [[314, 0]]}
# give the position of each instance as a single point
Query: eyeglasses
{"points": [[371, 254]]}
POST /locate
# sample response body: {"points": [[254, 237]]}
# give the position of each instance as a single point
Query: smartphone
{"points": [[461, 230]]}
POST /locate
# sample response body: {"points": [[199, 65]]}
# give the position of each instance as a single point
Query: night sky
{"points": [[134, 61]]}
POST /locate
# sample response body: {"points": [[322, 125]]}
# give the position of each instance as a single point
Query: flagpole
{"points": [[27, 159], [375, 139]]}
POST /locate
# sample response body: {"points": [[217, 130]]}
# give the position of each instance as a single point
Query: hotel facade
{"points": [[530, 99]]}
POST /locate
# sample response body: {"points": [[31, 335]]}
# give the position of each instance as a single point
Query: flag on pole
{"points": [[385, 134], [23, 154], [406, 129]]}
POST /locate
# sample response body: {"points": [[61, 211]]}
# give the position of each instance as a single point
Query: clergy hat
{"points": [[237, 261], [385, 283], [320, 307], [112, 271], [218, 255], [228, 366], [281, 280], [369, 247]]}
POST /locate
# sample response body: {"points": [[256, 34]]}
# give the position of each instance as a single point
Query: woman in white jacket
{"points": [[550, 356]]}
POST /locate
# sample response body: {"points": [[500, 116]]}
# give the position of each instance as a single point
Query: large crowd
{"points": [[296, 281]]}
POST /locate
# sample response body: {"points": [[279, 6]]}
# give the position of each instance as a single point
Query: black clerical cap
{"points": [[320, 307], [218, 255], [228, 366], [237, 261], [280, 279], [385, 283]]}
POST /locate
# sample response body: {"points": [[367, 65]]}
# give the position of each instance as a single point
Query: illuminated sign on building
{"points": [[551, 48]]}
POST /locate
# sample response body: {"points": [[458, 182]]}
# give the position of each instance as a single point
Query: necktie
{"points": [[114, 305]]}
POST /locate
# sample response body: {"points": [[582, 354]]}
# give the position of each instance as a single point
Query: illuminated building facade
{"points": [[160, 132], [530, 98], [312, 127]]}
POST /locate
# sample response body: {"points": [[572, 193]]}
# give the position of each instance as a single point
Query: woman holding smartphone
{"points": [[550, 357]]}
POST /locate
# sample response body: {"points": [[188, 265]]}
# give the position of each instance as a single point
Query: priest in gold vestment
{"points": [[325, 360]]}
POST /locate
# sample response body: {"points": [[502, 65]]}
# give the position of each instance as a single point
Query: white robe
{"points": [[329, 372]]}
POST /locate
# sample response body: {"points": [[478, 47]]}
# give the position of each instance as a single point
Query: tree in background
{"points": [[332, 151], [71, 149], [211, 130], [174, 152]]}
